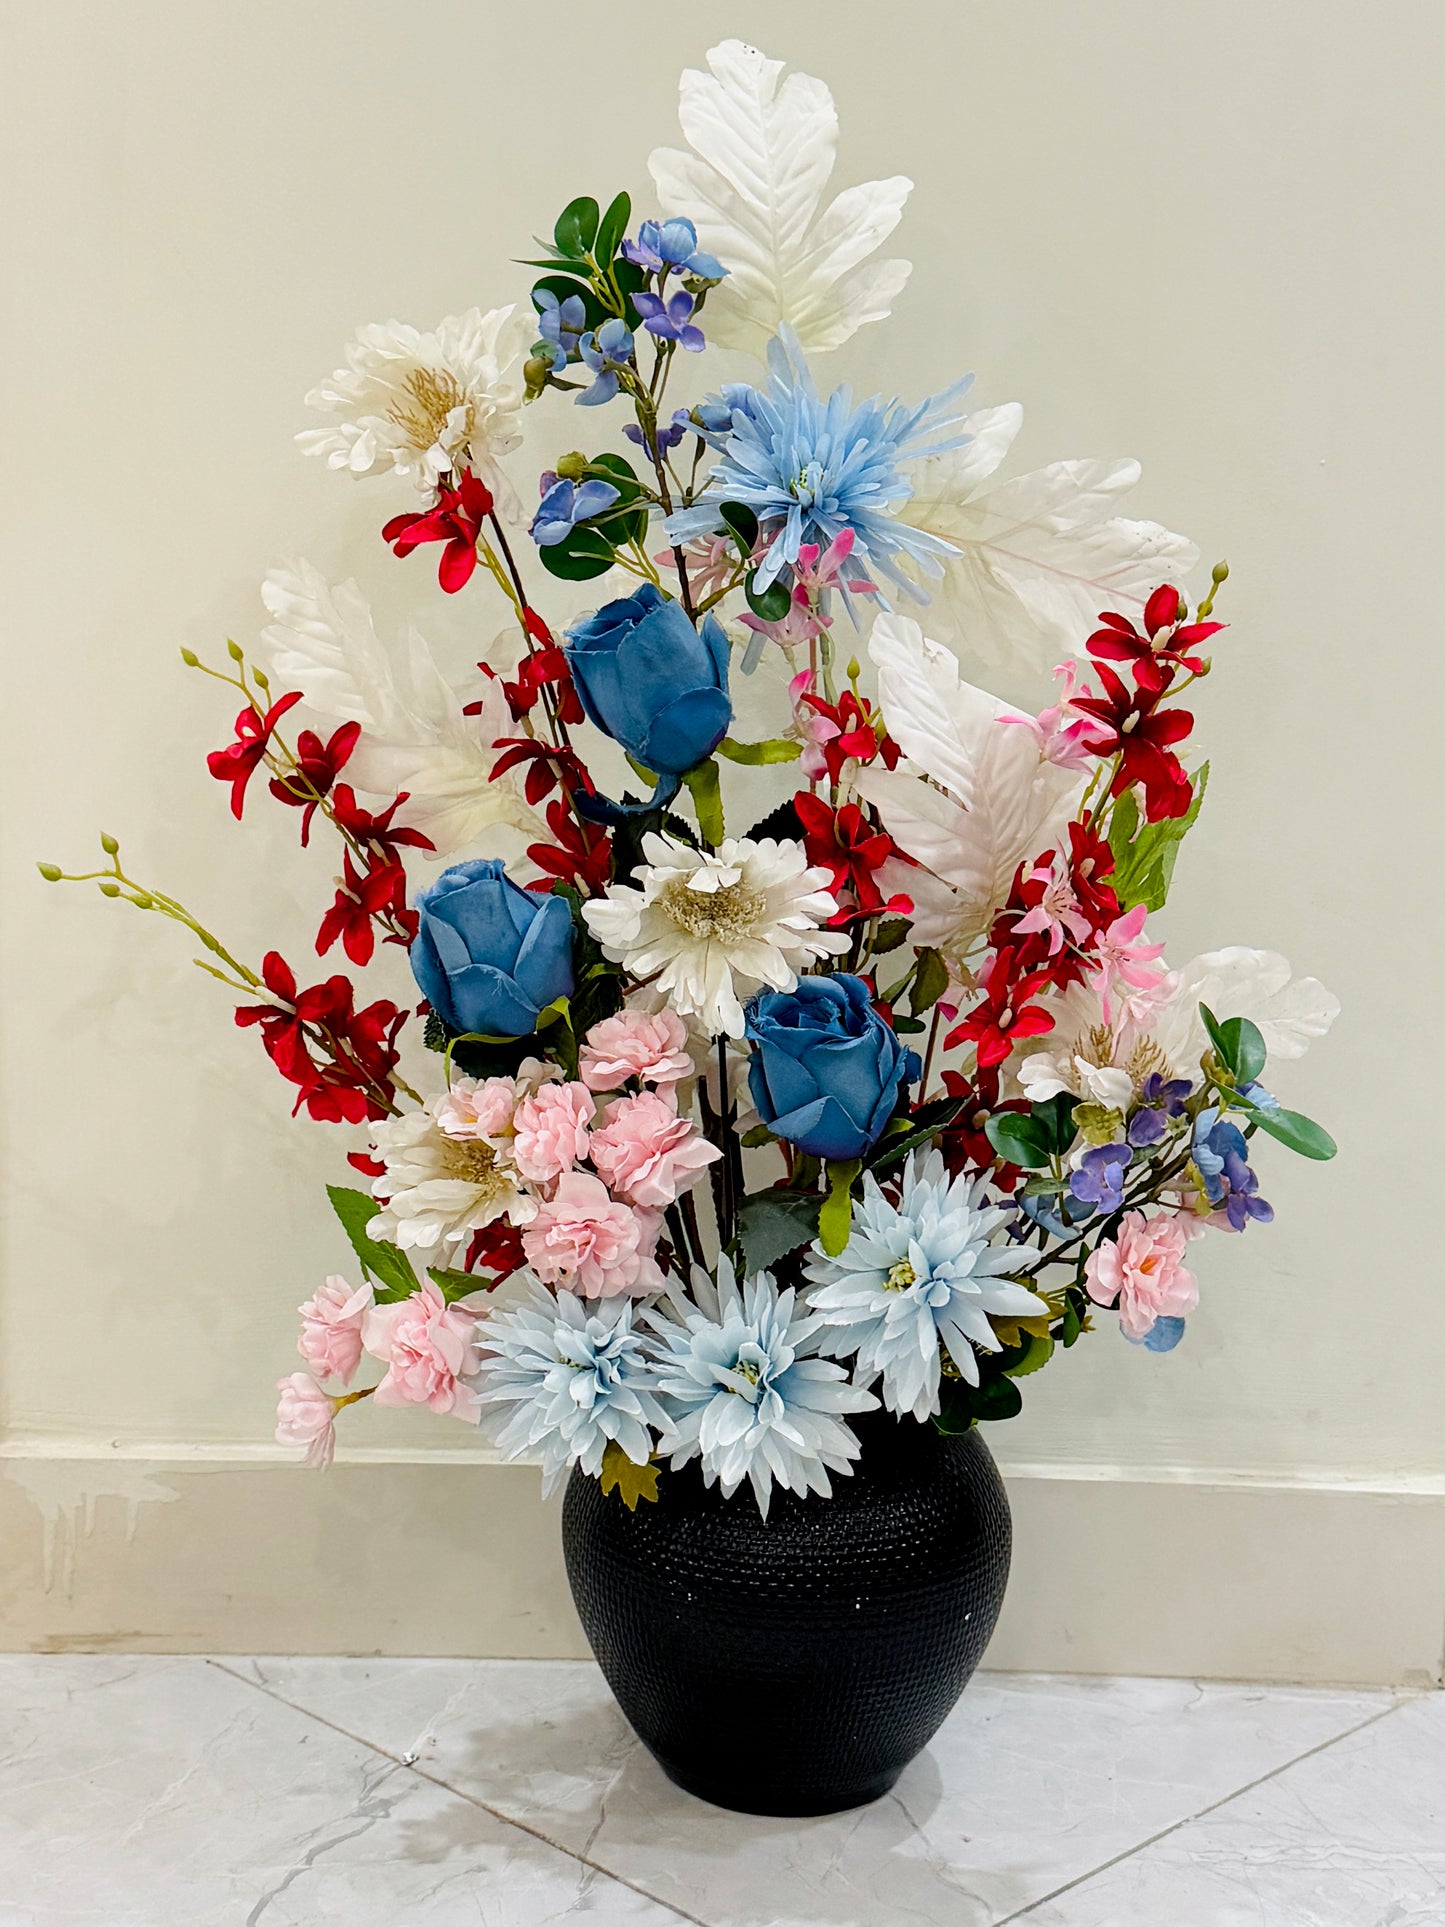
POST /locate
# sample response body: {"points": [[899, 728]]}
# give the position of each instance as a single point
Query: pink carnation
{"points": [[1144, 1271], [647, 1153], [651, 1045], [429, 1347], [551, 1131], [584, 1239], [306, 1416], [473, 1110], [330, 1339]]}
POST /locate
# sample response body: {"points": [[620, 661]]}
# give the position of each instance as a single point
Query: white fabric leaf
{"points": [[1039, 556], [323, 642], [762, 154], [1004, 802], [1289, 1011]]}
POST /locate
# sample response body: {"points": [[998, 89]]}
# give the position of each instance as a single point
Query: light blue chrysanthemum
{"points": [[744, 1391], [810, 468], [575, 1376], [914, 1273]]}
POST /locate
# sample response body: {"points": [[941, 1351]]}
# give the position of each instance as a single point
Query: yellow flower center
{"points": [[433, 395], [721, 916], [471, 1161], [900, 1276]]}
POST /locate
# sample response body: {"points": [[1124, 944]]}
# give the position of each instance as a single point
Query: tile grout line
{"points": [[1188, 1819], [433, 1779]]}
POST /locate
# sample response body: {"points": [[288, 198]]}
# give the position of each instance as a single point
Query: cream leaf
{"points": [[323, 642], [762, 154]]}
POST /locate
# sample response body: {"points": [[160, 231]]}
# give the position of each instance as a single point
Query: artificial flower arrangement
{"points": [[980, 1108]]}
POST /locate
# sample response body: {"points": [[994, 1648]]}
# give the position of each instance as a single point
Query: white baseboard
{"points": [[229, 1550]]}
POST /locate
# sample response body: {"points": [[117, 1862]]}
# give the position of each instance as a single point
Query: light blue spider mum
{"points": [[810, 468], [560, 1379], [744, 1391], [915, 1273]]}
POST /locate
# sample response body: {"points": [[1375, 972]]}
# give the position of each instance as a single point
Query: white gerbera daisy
{"points": [[714, 926], [562, 1379], [441, 1184], [913, 1273], [425, 403], [743, 1389]]}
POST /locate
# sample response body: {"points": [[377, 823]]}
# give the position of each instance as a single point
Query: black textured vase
{"points": [[796, 1666]]}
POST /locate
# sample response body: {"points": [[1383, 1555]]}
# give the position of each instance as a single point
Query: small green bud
{"points": [[1220, 572], [571, 468], [109, 844], [534, 373], [260, 678], [190, 658], [142, 903], [52, 872], [235, 652], [855, 669], [110, 889]]}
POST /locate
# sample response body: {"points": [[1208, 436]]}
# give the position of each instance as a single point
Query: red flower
{"points": [[378, 831], [496, 1248], [1090, 862], [236, 763], [846, 845], [360, 902], [1005, 1015], [582, 853], [1164, 647], [964, 1143], [361, 1044], [318, 765], [860, 733], [549, 766], [1140, 734], [456, 520], [544, 666]]}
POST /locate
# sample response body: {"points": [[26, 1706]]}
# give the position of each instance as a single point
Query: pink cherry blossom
{"points": [[809, 728], [1143, 1270], [1122, 967], [651, 1045], [330, 1339], [1059, 742], [647, 1153], [306, 1416], [583, 1238], [551, 1131], [429, 1347], [1058, 912]]}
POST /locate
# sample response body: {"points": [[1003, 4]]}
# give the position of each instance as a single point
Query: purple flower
{"points": [[1242, 1200], [671, 320], [1171, 1092], [561, 324], [1099, 1180], [564, 505], [667, 438], [1147, 1127], [663, 245], [604, 351], [1220, 1157]]}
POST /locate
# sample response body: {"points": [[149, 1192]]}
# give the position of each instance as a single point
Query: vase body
{"points": [[796, 1666]]}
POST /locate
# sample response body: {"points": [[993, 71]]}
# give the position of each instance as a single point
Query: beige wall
{"points": [[1203, 234]]}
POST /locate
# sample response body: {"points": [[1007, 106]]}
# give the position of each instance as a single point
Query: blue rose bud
{"points": [[826, 1068], [651, 681], [490, 956]]}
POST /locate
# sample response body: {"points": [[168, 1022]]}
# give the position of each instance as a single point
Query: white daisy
{"points": [[913, 1273], [743, 1389], [715, 926], [425, 403], [441, 1185]]}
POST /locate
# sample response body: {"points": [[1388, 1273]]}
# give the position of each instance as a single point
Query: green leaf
{"points": [[1055, 1116], [758, 1135], [909, 1026], [623, 474], [1073, 1323], [457, 1284], [1144, 856], [962, 1405], [835, 1219], [1040, 1350], [770, 604], [920, 1129], [579, 556], [563, 285], [626, 1478], [773, 1223], [1241, 1048], [611, 229], [388, 1267], [1019, 1139], [776, 749], [1301, 1134], [576, 227], [889, 935], [742, 525], [706, 790], [929, 983]]}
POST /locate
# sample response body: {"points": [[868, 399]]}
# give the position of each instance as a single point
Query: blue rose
{"points": [[490, 956], [826, 1069], [655, 684]]}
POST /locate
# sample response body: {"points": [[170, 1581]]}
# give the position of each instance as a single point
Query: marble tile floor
{"points": [[161, 1792]]}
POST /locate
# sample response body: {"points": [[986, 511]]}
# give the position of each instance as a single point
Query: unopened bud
{"points": [[142, 903], [110, 889], [190, 658], [109, 844], [260, 678], [52, 872], [855, 669], [1220, 572], [235, 652], [571, 468]]}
